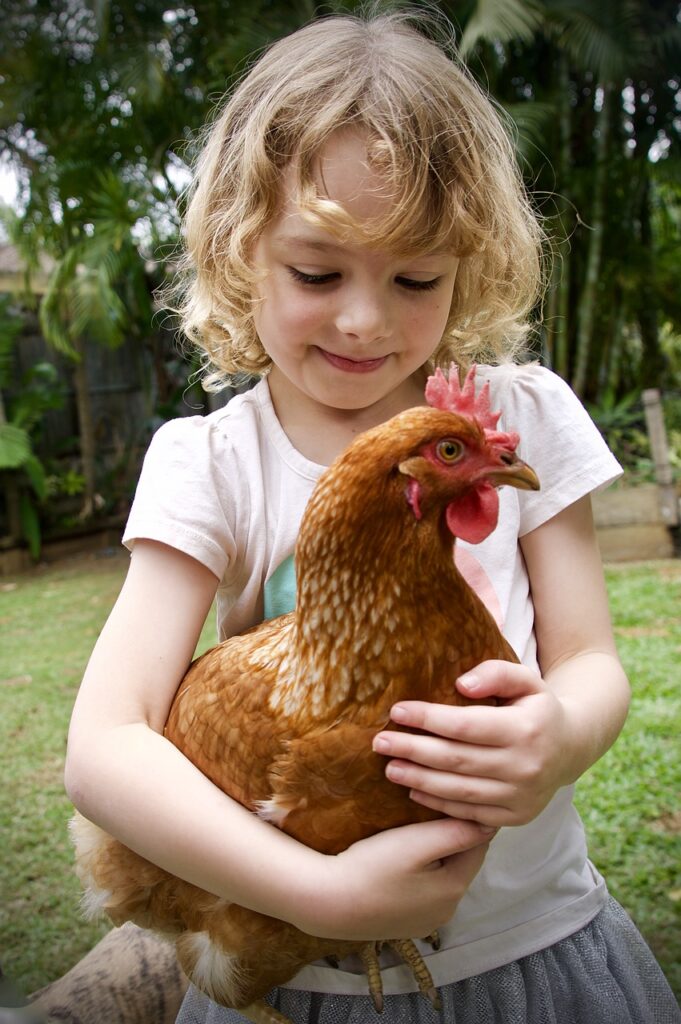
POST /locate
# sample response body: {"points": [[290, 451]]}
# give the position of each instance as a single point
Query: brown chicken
{"points": [[282, 717]]}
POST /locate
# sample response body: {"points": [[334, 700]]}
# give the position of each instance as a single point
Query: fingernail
{"points": [[398, 714], [381, 745], [394, 772], [488, 830], [470, 681]]}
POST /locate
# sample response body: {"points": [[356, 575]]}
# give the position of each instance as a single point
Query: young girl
{"points": [[356, 219]]}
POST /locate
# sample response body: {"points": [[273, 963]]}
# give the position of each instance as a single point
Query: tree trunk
{"points": [[86, 429], [613, 352], [560, 274], [652, 363], [587, 306], [10, 486]]}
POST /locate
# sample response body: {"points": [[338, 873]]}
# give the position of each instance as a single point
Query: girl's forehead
{"points": [[342, 173], [343, 198]]}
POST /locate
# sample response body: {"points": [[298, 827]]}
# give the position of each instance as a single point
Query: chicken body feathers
{"points": [[282, 717]]}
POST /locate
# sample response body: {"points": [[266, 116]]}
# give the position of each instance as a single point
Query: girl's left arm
{"points": [[502, 765]]}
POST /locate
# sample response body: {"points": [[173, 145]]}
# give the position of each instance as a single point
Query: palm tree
{"points": [[582, 60], [98, 104]]}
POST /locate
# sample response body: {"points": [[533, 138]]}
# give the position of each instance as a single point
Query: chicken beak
{"points": [[515, 473]]}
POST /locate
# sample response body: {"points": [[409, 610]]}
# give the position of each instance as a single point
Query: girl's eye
{"points": [[417, 286], [449, 450], [299, 275]]}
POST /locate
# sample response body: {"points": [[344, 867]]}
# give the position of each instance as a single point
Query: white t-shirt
{"points": [[229, 489]]}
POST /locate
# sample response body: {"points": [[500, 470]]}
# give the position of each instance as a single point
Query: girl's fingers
{"points": [[441, 754], [427, 843], [492, 816], [482, 725], [469, 789], [503, 679]]}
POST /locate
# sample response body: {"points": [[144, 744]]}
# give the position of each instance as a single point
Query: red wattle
{"points": [[474, 517]]}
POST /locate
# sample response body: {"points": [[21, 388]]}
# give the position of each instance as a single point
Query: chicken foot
{"points": [[408, 951], [261, 1012], [369, 955]]}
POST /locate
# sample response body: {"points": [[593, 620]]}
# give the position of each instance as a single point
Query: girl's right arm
{"points": [[125, 776]]}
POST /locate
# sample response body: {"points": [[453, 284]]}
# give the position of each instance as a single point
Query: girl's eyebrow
{"points": [[308, 243], [321, 245]]}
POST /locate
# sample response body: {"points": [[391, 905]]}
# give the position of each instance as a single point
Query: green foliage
{"points": [[617, 213], [101, 106], [622, 423], [30, 524], [35, 471], [70, 483], [11, 324], [40, 390], [15, 446], [629, 799], [502, 20], [51, 620]]}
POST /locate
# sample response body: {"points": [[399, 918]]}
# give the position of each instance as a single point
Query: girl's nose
{"points": [[365, 316]]}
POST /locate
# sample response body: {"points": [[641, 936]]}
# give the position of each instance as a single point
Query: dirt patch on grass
{"points": [[92, 562], [669, 823], [17, 681], [642, 631]]}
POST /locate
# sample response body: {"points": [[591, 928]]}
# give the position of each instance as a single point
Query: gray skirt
{"points": [[603, 974]]}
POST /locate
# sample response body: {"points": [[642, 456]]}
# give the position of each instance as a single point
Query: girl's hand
{"points": [[495, 765], [402, 883]]}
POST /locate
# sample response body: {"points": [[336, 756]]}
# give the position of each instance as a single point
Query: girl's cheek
{"points": [[302, 310]]}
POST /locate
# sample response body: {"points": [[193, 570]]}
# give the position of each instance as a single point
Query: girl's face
{"points": [[346, 327]]}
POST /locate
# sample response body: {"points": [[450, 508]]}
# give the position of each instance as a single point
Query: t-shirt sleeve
{"points": [[559, 440], [184, 497]]}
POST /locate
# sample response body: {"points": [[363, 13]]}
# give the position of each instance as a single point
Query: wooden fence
{"points": [[642, 522], [632, 523]]}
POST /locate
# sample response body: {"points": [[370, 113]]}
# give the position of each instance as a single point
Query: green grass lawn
{"points": [[49, 622]]}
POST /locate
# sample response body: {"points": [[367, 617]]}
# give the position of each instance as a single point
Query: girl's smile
{"points": [[348, 328], [353, 365]]}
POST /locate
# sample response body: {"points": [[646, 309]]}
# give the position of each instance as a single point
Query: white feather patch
{"points": [[272, 810], [215, 971], [94, 901]]}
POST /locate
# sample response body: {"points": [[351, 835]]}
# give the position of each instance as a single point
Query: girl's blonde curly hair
{"points": [[431, 131]]}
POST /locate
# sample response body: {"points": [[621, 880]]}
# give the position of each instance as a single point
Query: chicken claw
{"points": [[406, 948], [369, 955], [261, 1012]]}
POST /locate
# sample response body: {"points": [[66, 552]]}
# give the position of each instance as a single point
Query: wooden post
{"points": [[668, 498]]}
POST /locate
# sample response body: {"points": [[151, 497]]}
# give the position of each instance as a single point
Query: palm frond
{"points": [[10, 327], [54, 308], [35, 471], [15, 446], [96, 310], [145, 75], [532, 124], [501, 21], [667, 46], [602, 38], [101, 11]]}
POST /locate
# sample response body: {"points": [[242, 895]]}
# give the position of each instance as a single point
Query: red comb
{"points": [[448, 395]]}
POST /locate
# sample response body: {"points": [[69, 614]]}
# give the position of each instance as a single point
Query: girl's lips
{"points": [[352, 365]]}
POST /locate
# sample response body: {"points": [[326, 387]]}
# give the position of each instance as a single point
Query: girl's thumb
{"points": [[430, 842], [502, 679]]}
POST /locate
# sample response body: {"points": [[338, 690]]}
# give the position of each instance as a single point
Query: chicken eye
{"points": [[449, 451]]}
